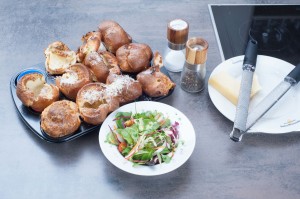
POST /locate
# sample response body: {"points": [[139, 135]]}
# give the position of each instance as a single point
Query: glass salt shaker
{"points": [[193, 74], [177, 35]]}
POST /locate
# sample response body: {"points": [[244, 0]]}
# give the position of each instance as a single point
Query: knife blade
{"points": [[273, 97], [249, 65]]}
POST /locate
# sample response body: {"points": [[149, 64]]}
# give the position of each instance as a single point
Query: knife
{"points": [[273, 97], [249, 65]]}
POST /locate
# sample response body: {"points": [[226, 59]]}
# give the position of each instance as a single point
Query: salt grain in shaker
{"points": [[174, 55], [194, 71]]}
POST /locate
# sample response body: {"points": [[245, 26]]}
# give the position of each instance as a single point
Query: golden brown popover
{"points": [[90, 42], [113, 35], [95, 62], [34, 92], [61, 118], [153, 81], [125, 88], [111, 61], [94, 104], [75, 77], [102, 63], [134, 57], [59, 58]]}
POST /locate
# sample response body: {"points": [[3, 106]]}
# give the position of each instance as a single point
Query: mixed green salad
{"points": [[146, 138]]}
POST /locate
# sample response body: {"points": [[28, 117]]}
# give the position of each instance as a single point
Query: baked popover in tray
{"points": [[32, 117], [73, 92]]}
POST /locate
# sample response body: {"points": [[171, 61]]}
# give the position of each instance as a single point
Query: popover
{"points": [[90, 42], [75, 77], [102, 63], [34, 92], [59, 58], [60, 119], [134, 57], [154, 82], [125, 88], [113, 35], [94, 103]]}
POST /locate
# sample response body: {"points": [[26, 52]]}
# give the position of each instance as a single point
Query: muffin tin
{"points": [[32, 118]]}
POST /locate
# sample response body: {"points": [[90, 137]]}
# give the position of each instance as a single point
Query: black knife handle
{"points": [[295, 73], [251, 53]]}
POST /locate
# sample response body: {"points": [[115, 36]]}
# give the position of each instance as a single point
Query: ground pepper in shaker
{"points": [[177, 35], [194, 70]]}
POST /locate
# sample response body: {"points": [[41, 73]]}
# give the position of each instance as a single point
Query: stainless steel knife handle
{"points": [[240, 121], [249, 63]]}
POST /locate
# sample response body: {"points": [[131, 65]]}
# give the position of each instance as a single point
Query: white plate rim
{"points": [[181, 155], [261, 126]]}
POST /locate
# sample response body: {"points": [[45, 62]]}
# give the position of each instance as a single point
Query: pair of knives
{"points": [[243, 122]]}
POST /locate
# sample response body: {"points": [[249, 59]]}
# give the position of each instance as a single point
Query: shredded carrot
{"points": [[134, 149]]}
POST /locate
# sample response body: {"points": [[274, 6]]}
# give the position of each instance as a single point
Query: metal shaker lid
{"points": [[177, 33]]}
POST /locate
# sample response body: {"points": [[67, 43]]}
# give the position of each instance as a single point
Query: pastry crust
{"points": [[90, 42], [60, 119], [102, 63], [95, 62], [94, 103], [59, 58], [153, 81], [134, 57], [74, 79], [111, 62], [33, 91], [113, 35], [125, 88]]}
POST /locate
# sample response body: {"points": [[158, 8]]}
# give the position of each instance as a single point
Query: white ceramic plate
{"points": [[182, 154], [284, 116]]}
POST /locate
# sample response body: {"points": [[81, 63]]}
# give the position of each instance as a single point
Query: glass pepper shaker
{"points": [[194, 70], [177, 35]]}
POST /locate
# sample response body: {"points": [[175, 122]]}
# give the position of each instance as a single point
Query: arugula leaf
{"points": [[133, 131], [145, 115], [151, 127], [119, 124], [145, 154], [124, 133], [123, 114], [110, 138], [126, 151]]}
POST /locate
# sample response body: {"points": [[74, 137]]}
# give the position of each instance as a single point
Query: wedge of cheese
{"points": [[229, 86]]}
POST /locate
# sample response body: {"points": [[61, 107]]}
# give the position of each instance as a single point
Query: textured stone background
{"points": [[262, 166]]}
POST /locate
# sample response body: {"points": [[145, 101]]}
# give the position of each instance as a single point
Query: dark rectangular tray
{"points": [[32, 118]]}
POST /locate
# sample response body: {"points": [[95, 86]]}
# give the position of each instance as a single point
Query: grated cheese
{"points": [[69, 78], [92, 96], [120, 82], [98, 58], [46, 92]]}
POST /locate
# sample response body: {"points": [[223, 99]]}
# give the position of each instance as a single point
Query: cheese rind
{"points": [[229, 87]]}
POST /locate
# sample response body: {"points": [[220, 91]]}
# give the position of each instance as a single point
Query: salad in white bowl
{"points": [[147, 138]]}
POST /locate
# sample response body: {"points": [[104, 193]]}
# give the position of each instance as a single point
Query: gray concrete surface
{"points": [[262, 166]]}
